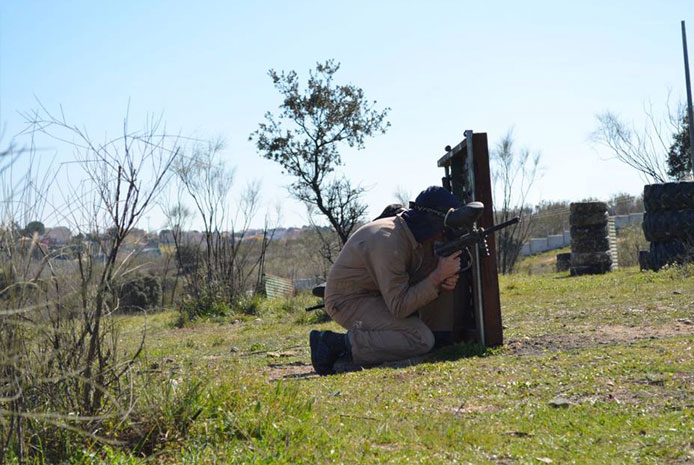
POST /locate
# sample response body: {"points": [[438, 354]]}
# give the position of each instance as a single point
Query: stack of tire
{"points": [[668, 223], [590, 243]]}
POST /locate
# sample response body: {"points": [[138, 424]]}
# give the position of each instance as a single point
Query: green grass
{"points": [[545, 262], [616, 350]]}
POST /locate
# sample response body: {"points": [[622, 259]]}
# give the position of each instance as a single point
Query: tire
{"points": [[587, 208], [581, 270], [590, 244], [669, 196], [588, 219], [662, 226], [644, 260], [584, 232], [563, 261], [591, 259], [668, 253]]}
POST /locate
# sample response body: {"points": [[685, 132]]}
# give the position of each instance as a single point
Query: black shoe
{"points": [[326, 348], [442, 339]]}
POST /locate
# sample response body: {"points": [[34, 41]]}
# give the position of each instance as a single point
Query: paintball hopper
{"points": [[463, 217], [319, 291]]}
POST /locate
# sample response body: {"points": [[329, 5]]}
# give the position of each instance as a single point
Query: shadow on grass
{"points": [[302, 370], [444, 354], [457, 351]]}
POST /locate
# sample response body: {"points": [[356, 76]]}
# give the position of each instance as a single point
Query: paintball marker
{"points": [[318, 291], [475, 236], [461, 224]]}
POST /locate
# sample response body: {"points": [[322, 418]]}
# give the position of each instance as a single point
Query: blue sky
{"points": [[544, 69]]}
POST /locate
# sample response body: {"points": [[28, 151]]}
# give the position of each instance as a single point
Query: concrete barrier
{"points": [[636, 218], [543, 244], [555, 241], [621, 221], [525, 250], [538, 245]]}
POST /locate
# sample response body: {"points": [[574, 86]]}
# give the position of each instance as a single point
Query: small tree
{"points": [[59, 341], [139, 292], [305, 135], [513, 174], [177, 216], [679, 160], [646, 150], [208, 183], [221, 266], [624, 204], [123, 177], [550, 217], [34, 227]]}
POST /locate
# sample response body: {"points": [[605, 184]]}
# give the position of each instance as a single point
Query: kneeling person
{"points": [[388, 289]]}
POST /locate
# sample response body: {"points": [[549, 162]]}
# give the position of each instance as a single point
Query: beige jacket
{"points": [[384, 258]]}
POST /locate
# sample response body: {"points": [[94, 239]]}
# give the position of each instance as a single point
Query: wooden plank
{"points": [[454, 152], [463, 298], [493, 329], [469, 294]]}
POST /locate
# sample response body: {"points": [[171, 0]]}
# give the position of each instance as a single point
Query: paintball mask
{"points": [[463, 218], [455, 220]]}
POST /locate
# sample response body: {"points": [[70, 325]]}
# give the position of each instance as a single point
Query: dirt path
{"points": [[602, 335]]}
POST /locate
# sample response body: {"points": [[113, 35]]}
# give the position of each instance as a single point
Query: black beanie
{"points": [[422, 218]]}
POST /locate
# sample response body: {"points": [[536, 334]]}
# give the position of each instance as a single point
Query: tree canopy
{"points": [[305, 135], [679, 160], [34, 227]]}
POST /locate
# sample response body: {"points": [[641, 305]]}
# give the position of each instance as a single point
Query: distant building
{"points": [[57, 236]]}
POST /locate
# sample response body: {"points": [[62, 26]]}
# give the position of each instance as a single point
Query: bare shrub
{"points": [[624, 204], [650, 150], [223, 263], [513, 174], [549, 217], [62, 371]]}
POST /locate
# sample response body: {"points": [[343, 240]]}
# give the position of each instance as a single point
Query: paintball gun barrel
{"points": [[475, 236], [315, 307]]}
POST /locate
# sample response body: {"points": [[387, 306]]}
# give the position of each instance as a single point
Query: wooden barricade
{"points": [[477, 312]]}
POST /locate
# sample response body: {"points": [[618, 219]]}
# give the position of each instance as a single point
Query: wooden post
{"points": [[690, 112], [493, 332], [471, 180]]}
